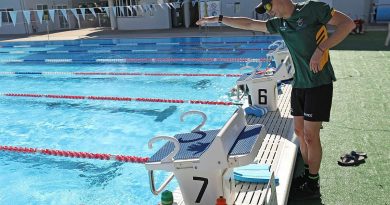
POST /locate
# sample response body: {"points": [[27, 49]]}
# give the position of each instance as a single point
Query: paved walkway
{"points": [[101, 33]]}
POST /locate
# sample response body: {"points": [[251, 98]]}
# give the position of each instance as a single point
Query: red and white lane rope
{"points": [[135, 60], [74, 154], [122, 74], [111, 98]]}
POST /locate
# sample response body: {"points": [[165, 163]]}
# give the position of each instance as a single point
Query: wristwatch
{"points": [[220, 18]]}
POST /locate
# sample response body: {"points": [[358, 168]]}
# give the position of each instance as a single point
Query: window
{"points": [[45, 11], [237, 7], [6, 18]]}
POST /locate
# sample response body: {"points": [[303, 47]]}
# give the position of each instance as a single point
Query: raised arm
{"points": [[236, 22]]}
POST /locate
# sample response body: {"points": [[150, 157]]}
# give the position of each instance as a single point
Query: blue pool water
{"points": [[105, 126]]}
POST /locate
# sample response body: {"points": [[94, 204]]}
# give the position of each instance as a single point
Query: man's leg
{"points": [[299, 131], [313, 145]]}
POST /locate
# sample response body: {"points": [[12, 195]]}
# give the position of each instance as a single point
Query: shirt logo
{"points": [[284, 26], [300, 22]]}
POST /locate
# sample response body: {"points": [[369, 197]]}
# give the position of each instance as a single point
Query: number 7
{"points": [[202, 189]]}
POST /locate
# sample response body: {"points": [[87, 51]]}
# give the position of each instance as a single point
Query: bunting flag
{"points": [[63, 11], [140, 9], [114, 10], [122, 10], [145, 8], [154, 7], [13, 15], [74, 11], [82, 12], [193, 3], [51, 14], [40, 15], [130, 8], [107, 10], [27, 16], [92, 10]]}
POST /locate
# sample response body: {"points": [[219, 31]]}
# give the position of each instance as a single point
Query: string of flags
{"points": [[138, 8]]}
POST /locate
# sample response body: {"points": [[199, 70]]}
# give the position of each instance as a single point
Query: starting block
{"points": [[203, 161]]}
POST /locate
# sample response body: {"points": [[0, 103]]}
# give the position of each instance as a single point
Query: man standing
{"points": [[303, 28]]}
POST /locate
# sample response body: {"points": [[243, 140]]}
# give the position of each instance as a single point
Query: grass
{"points": [[360, 120], [370, 41]]}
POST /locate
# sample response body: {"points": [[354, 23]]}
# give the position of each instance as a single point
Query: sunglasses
{"points": [[268, 6], [265, 6]]}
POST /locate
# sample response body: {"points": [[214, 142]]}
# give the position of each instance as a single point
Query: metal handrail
{"points": [[163, 185], [273, 200]]}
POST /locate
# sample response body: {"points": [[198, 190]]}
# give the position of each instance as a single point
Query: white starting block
{"points": [[262, 85], [202, 161], [281, 56]]}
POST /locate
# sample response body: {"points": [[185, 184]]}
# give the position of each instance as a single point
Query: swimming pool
{"points": [[47, 117]]}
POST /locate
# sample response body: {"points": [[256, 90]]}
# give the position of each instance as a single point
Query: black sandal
{"points": [[351, 160], [355, 153]]}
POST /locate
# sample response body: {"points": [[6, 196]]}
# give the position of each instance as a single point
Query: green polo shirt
{"points": [[302, 32]]}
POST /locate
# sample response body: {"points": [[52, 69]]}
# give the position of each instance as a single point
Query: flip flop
{"points": [[350, 160], [354, 153], [363, 154]]}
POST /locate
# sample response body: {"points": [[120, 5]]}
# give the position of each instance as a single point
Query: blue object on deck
{"points": [[256, 110], [254, 173], [383, 13]]}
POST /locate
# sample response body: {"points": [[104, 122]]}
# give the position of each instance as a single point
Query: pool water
{"points": [[112, 127]]}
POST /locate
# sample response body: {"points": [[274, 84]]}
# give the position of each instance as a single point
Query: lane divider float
{"points": [[122, 74], [112, 98], [75, 154], [162, 51], [132, 44], [136, 60]]}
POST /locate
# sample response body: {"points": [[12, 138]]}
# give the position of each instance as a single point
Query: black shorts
{"points": [[312, 103]]}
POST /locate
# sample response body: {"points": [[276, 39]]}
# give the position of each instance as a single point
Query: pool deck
{"points": [[106, 33]]}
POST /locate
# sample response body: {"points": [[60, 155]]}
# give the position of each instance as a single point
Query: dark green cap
{"points": [[166, 198]]}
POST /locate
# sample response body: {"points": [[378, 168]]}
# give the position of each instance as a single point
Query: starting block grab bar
{"points": [[270, 197]]}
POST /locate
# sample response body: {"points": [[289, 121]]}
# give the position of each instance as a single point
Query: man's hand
{"points": [[205, 20], [315, 60]]}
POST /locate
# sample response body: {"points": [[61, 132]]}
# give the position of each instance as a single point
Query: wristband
{"points": [[220, 18]]}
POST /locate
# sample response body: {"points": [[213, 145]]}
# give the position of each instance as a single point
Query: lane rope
{"points": [[135, 60], [111, 98], [131, 44], [122, 74], [156, 51], [75, 154]]}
